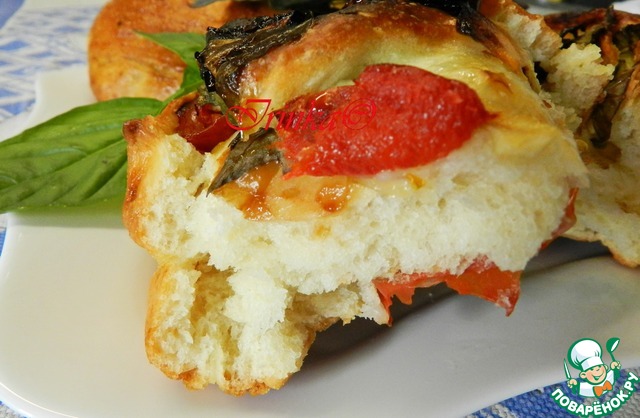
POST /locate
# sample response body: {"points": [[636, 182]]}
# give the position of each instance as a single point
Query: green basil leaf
{"points": [[191, 81], [74, 159], [79, 157], [183, 44]]}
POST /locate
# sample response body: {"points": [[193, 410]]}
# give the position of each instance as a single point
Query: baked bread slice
{"points": [[609, 130], [124, 64], [259, 246]]}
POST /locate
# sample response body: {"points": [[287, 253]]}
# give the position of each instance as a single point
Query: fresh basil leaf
{"points": [[191, 81], [79, 157], [184, 44], [74, 159]]}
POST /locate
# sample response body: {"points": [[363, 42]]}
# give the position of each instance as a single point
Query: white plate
{"points": [[72, 306]]}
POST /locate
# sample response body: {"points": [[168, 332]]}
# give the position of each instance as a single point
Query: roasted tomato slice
{"points": [[393, 117], [202, 126], [482, 278]]}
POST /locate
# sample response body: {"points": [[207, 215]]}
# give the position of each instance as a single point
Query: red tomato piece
{"points": [[482, 278], [394, 117], [568, 219], [202, 126]]}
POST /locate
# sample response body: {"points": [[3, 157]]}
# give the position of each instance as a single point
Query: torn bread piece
{"points": [[268, 229], [609, 130]]}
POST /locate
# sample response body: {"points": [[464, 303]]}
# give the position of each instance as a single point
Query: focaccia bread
{"points": [[609, 130], [122, 63], [461, 174]]}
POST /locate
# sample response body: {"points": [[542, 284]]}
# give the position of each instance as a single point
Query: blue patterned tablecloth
{"points": [[41, 39], [540, 403], [33, 41]]}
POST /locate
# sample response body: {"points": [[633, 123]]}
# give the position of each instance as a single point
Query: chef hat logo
{"points": [[585, 354]]}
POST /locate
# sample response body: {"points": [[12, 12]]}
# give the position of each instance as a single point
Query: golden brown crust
{"points": [[160, 285], [140, 135], [339, 46], [158, 327], [529, 30], [143, 137], [122, 64], [137, 168]]}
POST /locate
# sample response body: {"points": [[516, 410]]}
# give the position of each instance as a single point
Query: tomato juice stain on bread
{"points": [[268, 229]]}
